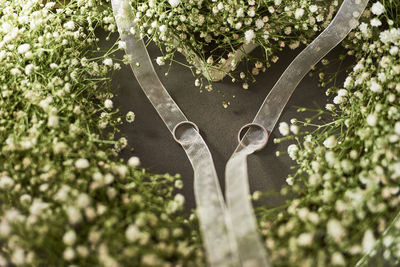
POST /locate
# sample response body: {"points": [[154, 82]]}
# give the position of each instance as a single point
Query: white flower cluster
{"points": [[349, 169], [66, 200], [197, 27]]}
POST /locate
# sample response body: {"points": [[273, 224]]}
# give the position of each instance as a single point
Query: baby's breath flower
{"points": [[132, 233], [108, 104], [313, 8], [284, 128], [82, 164], [160, 61], [397, 128], [330, 142], [108, 62], [249, 35], [292, 151], [130, 116], [368, 241], [22, 49], [70, 25], [299, 13], [372, 119], [174, 3], [295, 129], [6, 182], [69, 238], [375, 87], [335, 230], [69, 254], [377, 8], [375, 22], [134, 161]]}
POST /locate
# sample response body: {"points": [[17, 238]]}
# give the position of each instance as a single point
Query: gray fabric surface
{"points": [[159, 153]]}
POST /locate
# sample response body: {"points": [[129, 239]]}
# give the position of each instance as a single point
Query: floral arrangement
{"points": [[66, 198], [211, 33], [347, 180]]}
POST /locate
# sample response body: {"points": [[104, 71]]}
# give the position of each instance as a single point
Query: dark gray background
{"points": [[159, 153]]}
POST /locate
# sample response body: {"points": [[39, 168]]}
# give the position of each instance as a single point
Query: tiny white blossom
{"points": [[375, 22], [394, 50], [377, 8], [284, 128], [134, 161], [15, 71], [29, 68], [70, 25], [259, 23], [338, 259], [368, 241], [82, 163], [160, 61], [305, 239], [174, 3], [6, 182], [83, 200], [348, 82], [37, 207], [130, 116], [25, 199], [249, 35], [330, 107], [397, 128], [121, 45], [22, 49], [74, 214], [18, 257], [392, 35], [330, 142], [69, 254], [132, 233], [338, 99], [53, 66], [364, 29], [52, 121], [163, 28], [313, 8], [382, 77], [375, 87], [108, 104], [5, 229], [342, 92], [335, 230], [292, 151], [372, 119], [299, 13], [251, 13], [290, 181], [239, 13], [69, 238], [294, 129], [108, 62]]}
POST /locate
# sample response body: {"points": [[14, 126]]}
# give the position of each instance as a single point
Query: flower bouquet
{"points": [[68, 199]]}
